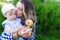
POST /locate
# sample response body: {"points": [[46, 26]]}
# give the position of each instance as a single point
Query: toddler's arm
{"points": [[8, 29]]}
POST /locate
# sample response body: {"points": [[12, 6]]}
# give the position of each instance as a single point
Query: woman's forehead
{"points": [[19, 5]]}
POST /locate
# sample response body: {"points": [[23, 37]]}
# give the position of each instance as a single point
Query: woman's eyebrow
{"points": [[20, 8]]}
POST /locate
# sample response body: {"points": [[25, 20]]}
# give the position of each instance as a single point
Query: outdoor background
{"points": [[48, 18]]}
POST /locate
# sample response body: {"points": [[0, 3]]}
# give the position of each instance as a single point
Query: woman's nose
{"points": [[16, 10]]}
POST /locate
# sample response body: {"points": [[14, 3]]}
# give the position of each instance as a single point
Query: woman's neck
{"points": [[11, 19], [22, 18]]}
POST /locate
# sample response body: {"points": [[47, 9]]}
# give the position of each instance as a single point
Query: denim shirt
{"points": [[33, 35]]}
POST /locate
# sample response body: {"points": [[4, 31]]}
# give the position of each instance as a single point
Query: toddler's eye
{"points": [[10, 14]]}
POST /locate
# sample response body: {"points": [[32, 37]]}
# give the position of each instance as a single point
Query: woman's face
{"points": [[19, 9]]}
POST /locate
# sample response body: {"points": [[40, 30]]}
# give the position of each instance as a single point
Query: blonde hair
{"points": [[28, 10]]}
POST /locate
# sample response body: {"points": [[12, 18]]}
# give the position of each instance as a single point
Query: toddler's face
{"points": [[19, 10], [11, 14]]}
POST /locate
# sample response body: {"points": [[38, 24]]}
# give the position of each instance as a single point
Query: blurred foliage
{"points": [[48, 19], [1, 19]]}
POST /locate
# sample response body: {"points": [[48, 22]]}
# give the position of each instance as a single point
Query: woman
{"points": [[26, 11]]}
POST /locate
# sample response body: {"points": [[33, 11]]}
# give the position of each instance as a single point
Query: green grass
{"points": [[44, 37], [51, 35]]}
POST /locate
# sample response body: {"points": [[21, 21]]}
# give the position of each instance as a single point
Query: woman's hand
{"points": [[22, 32], [25, 32], [28, 34], [15, 35]]}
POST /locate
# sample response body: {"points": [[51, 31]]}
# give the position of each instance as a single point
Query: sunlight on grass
{"points": [[2, 3]]}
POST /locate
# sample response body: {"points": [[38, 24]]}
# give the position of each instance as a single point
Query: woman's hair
{"points": [[29, 10]]}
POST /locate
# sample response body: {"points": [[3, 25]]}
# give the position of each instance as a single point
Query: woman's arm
{"points": [[33, 35]]}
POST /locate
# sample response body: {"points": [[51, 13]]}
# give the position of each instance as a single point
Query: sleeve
{"points": [[7, 27], [33, 35], [3, 23]]}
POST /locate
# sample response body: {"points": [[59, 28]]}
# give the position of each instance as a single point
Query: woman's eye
{"points": [[20, 9]]}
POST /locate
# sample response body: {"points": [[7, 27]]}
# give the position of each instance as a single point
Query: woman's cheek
{"points": [[19, 13]]}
